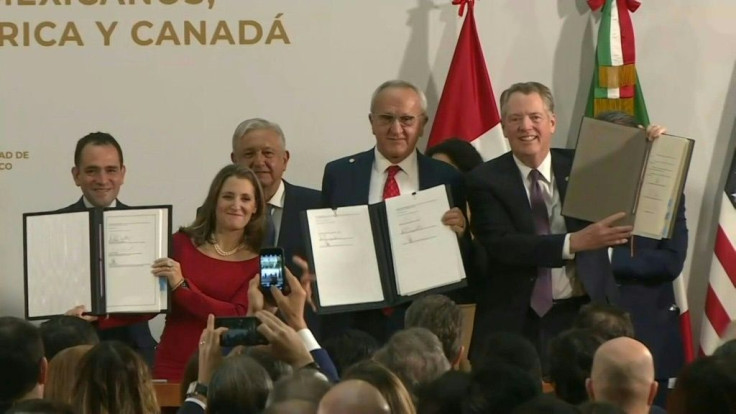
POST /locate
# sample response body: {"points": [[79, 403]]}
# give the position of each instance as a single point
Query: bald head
{"points": [[623, 374], [354, 397]]}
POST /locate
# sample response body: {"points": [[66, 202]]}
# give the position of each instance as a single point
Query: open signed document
{"points": [[371, 256]]}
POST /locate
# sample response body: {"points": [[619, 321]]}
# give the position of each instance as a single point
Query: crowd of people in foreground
{"points": [[595, 367]]}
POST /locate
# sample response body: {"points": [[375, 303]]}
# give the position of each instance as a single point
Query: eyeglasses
{"points": [[389, 119]]}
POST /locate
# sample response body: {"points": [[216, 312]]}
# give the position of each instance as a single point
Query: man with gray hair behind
{"points": [[260, 145], [444, 318], [415, 355]]}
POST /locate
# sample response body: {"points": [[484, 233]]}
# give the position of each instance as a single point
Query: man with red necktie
{"points": [[398, 114]]}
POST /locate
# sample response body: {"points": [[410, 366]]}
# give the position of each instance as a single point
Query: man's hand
{"points": [[455, 219], [600, 234], [78, 311], [654, 131], [210, 353], [256, 301], [291, 306], [284, 343]]}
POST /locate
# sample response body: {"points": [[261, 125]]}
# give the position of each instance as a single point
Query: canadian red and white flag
{"points": [[719, 322], [467, 108]]}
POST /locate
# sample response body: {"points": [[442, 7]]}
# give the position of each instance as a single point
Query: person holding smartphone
{"points": [[213, 261]]}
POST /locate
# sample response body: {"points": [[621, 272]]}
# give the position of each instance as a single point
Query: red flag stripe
{"points": [[627, 30], [467, 108], [687, 336], [715, 312], [726, 255]]}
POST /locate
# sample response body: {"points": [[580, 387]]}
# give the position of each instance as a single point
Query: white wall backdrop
{"points": [[173, 107]]}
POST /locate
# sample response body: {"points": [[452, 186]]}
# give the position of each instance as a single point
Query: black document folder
{"points": [[385, 254], [99, 258]]}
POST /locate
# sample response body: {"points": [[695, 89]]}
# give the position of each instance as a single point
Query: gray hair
{"points": [[415, 355], [442, 317], [397, 83], [257, 123], [528, 88]]}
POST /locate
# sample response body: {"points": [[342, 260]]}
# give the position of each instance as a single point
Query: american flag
{"points": [[719, 323]]}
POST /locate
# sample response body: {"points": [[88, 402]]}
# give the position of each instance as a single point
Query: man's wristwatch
{"points": [[196, 389]]}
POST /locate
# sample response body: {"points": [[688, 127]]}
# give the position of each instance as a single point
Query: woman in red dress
{"points": [[214, 259]]}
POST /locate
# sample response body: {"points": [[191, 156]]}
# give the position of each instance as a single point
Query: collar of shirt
{"points": [[408, 165], [545, 168], [278, 197], [90, 205]]}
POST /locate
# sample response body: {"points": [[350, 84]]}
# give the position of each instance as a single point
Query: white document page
{"points": [[657, 195], [344, 256], [133, 240], [425, 252], [58, 263]]}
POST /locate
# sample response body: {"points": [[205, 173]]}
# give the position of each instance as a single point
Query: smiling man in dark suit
{"points": [[541, 266], [99, 172], [398, 114], [260, 145]]}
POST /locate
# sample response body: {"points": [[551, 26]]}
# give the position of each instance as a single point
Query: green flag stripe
{"points": [[603, 55]]}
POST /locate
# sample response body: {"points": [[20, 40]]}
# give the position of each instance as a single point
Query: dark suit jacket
{"points": [[645, 282], [346, 182], [291, 237], [138, 335], [502, 222]]}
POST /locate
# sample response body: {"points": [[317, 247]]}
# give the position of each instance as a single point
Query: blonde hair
{"points": [[62, 374]]}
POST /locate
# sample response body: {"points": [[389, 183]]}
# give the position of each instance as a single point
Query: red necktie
{"points": [[390, 189]]}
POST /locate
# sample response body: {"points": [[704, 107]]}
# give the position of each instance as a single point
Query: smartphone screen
{"points": [[272, 269], [241, 331]]}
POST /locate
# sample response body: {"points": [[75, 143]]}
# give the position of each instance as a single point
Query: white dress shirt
{"points": [[407, 178], [90, 205]]}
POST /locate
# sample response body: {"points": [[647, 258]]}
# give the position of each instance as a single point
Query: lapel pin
{"points": [[352, 160]]}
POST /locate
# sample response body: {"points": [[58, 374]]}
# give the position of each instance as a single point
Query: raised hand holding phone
{"points": [[241, 330]]}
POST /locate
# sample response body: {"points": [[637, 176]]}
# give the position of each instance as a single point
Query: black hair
{"points": [[21, 355], [96, 138], [462, 153], [64, 331]]}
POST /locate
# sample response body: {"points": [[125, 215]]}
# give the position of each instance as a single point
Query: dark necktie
{"points": [[541, 300], [270, 239]]}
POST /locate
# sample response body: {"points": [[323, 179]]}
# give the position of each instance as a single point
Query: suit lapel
{"points": [[424, 169], [285, 211], [510, 183], [561, 167], [561, 170], [361, 176], [79, 205]]}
